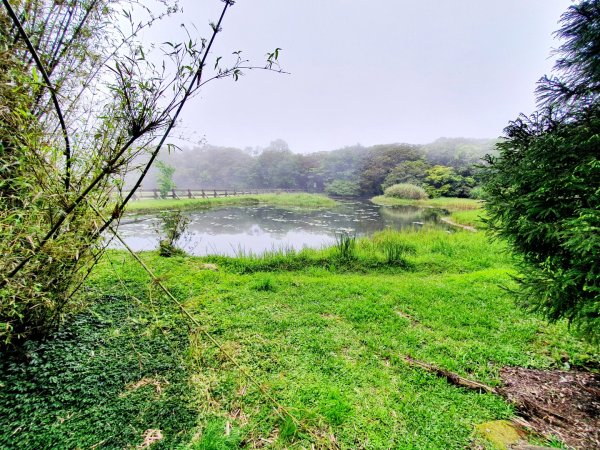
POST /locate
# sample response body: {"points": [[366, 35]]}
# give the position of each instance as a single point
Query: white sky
{"points": [[371, 72]]}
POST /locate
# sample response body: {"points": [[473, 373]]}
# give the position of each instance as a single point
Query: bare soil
{"points": [[557, 403]]}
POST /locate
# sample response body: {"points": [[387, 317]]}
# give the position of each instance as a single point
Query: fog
{"points": [[369, 72], [352, 171]]}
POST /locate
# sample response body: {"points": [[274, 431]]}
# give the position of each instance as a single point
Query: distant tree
{"points": [[165, 178], [458, 153], [379, 162], [343, 188], [342, 164], [413, 172], [440, 181], [543, 190], [278, 169], [278, 145]]}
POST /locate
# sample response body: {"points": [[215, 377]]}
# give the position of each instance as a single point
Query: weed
{"points": [[217, 435], [265, 284], [345, 245]]}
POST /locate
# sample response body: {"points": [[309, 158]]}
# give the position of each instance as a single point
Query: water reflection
{"points": [[256, 229]]}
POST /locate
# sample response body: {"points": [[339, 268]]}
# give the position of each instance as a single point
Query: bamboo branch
{"points": [[42, 69]]}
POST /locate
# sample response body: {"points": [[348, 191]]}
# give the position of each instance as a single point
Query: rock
{"points": [[502, 434], [209, 266]]}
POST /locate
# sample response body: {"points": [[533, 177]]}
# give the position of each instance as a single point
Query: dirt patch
{"points": [[150, 436], [556, 403]]}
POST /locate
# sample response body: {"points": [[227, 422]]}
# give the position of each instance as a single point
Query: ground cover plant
{"points": [[325, 335]]}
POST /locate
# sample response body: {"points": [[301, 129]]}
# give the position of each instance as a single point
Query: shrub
{"points": [[476, 193], [171, 227], [342, 188], [407, 191]]}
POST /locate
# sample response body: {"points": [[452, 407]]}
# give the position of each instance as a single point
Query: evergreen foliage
{"points": [[543, 190]]}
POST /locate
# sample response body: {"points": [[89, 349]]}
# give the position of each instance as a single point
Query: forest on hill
{"points": [[445, 167]]}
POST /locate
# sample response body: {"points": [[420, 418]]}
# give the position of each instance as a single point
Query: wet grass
{"points": [[449, 203], [301, 200], [471, 218], [323, 333]]}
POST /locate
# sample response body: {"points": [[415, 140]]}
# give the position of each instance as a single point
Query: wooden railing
{"points": [[206, 193]]}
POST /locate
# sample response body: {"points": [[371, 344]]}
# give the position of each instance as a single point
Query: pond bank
{"points": [[284, 199], [465, 213]]}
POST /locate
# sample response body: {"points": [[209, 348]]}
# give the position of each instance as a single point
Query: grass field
{"points": [[323, 331], [301, 200]]}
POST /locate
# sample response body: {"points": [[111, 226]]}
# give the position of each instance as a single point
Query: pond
{"points": [[256, 229]]}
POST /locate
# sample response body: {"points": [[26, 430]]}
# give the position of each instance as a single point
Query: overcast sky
{"points": [[370, 72]]}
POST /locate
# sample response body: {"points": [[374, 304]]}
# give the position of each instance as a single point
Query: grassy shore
{"points": [[323, 331], [462, 211], [301, 200], [449, 203]]}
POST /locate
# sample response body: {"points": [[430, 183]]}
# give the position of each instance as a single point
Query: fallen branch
{"points": [[451, 377]]}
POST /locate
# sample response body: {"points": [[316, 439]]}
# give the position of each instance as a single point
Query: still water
{"points": [[256, 229]]}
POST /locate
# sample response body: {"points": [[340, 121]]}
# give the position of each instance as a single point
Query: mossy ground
{"points": [[323, 333]]}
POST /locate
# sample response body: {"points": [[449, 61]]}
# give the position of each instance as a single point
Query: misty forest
{"points": [[446, 167], [408, 293]]}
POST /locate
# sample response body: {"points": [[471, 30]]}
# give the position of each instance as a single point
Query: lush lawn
{"points": [[323, 332], [301, 200]]}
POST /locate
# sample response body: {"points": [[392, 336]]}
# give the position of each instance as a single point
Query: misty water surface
{"points": [[256, 229]]}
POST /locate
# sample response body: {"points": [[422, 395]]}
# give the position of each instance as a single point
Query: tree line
{"points": [[445, 167]]}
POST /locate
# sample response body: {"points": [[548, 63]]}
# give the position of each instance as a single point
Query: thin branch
{"points": [[42, 69], [195, 81]]}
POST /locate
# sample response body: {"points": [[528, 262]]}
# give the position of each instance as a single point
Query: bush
{"points": [[476, 193], [407, 191], [172, 226], [343, 188]]}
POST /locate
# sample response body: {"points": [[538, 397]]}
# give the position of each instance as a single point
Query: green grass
{"points": [[322, 330], [470, 217], [448, 203], [301, 200]]}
